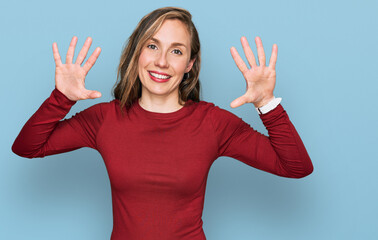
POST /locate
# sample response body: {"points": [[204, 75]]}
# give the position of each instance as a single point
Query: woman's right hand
{"points": [[70, 77]]}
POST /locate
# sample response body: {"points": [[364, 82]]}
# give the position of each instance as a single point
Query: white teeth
{"points": [[159, 76]]}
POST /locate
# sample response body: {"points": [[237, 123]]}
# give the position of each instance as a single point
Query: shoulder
{"points": [[214, 110], [224, 122], [100, 107], [204, 106], [218, 116], [96, 112]]}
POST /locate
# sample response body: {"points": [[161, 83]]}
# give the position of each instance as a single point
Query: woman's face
{"points": [[164, 59]]}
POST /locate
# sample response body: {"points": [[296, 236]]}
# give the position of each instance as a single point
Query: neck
{"points": [[160, 104]]}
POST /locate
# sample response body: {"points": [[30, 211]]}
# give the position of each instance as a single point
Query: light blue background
{"points": [[326, 75]]}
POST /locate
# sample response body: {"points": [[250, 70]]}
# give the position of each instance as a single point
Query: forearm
{"points": [[288, 155]]}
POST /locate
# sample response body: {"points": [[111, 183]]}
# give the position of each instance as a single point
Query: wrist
{"points": [[270, 105], [263, 102]]}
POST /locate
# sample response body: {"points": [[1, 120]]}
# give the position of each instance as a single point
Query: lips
{"points": [[159, 76]]}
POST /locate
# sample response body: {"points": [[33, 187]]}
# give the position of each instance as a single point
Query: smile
{"points": [[159, 77]]}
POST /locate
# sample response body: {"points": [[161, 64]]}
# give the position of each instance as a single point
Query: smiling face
{"points": [[164, 59]]}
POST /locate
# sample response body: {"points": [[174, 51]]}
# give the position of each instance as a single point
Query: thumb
{"points": [[91, 94], [238, 102]]}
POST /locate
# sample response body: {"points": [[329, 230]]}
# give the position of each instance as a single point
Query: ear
{"points": [[190, 65]]}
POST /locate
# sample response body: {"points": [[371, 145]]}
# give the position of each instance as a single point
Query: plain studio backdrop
{"points": [[326, 75]]}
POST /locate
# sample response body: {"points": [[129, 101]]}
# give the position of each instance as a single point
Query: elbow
{"points": [[307, 170], [19, 151], [16, 150], [301, 170]]}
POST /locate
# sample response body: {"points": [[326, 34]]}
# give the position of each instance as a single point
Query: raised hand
{"points": [[70, 77], [260, 79]]}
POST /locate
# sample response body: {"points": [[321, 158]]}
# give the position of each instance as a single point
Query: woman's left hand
{"points": [[260, 79]]}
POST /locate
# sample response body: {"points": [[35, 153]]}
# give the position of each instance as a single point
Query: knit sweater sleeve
{"points": [[47, 133], [281, 153]]}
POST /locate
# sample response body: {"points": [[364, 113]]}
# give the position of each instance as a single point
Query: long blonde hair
{"points": [[127, 89]]}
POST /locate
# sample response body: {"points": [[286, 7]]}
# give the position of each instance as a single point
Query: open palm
{"points": [[70, 77], [260, 79]]}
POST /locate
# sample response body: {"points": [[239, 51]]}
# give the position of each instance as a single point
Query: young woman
{"points": [[157, 138]]}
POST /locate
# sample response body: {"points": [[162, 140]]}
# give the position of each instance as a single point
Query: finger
{"points": [[238, 60], [91, 94], [260, 51], [71, 50], [83, 52], [57, 58], [91, 60], [238, 102], [248, 52], [273, 57]]}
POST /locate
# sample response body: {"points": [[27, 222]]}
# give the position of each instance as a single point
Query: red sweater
{"points": [[158, 162]]}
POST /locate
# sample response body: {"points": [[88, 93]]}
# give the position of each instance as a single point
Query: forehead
{"points": [[173, 31]]}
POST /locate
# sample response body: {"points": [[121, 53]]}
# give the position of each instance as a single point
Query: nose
{"points": [[161, 60]]}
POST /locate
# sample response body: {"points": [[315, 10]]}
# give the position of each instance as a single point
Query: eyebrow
{"points": [[173, 44]]}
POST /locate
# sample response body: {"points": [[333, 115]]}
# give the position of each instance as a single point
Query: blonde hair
{"points": [[127, 89]]}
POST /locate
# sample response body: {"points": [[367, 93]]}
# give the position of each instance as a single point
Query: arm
{"points": [[45, 133], [282, 153]]}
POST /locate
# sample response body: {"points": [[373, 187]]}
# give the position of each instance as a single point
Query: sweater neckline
{"points": [[178, 113]]}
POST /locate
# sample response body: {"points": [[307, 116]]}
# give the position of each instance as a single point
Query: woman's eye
{"points": [[151, 46], [176, 51]]}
